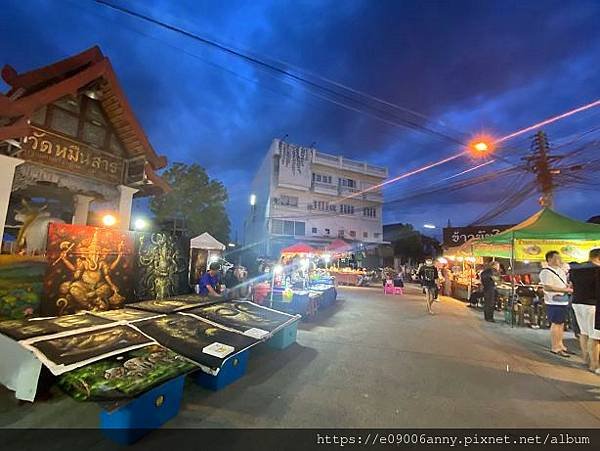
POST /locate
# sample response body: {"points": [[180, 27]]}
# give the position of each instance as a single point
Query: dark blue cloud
{"points": [[467, 65]]}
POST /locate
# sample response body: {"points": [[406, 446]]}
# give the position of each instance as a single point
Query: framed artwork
{"points": [[195, 339]]}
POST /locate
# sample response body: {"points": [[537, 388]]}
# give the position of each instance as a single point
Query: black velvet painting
{"points": [[21, 329], [243, 315], [188, 336], [125, 314], [164, 305], [161, 265], [89, 345]]}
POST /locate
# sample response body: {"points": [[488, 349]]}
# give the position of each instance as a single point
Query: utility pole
{"points": [[540, 163]]}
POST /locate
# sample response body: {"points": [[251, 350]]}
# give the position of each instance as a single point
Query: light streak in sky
{"points": [[550, 120], [466, 171]]}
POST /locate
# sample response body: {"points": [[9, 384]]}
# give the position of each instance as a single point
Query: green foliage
{"points": [[196, 198]]}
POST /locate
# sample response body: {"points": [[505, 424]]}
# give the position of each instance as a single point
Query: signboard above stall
{"points": [[455, 236], [58, 152]]}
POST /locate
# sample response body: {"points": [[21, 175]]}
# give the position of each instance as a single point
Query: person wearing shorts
{"points": [[586, 293], [553, 279]]}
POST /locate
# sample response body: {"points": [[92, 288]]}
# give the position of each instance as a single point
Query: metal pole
{"points": [[512, 279], [272, 287]]}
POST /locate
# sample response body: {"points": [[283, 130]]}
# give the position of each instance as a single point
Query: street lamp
{"points": [[429, 226], [109, 220], [481, 145], [140, 224], [253, 199], [231, 245]]}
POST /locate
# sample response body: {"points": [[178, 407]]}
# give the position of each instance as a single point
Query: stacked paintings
{"points": [[245, 317], [205, 343]]}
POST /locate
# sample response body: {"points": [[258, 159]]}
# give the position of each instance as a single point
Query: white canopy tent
{"points": [[204, 249]]}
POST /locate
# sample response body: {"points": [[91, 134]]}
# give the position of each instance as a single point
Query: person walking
{"points": [[586, 293], [553, 279], [489, 278], [428, 275]]}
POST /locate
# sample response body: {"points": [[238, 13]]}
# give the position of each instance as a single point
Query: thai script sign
{"points": [[61, 153], [455, 236]]}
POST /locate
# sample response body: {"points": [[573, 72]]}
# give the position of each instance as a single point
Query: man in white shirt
{"points": [[556, 290]]}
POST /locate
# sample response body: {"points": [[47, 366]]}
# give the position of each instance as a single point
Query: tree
{"points": [[196, 198], [409, 244]]}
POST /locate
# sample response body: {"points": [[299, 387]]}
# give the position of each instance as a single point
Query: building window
{"points": [[277, 227], [347, 183], [370, 212], [321, 178], [291, 228], [352, 233], [320, 205], [377, 235], [290, 201], [64, 122], [365, 234], [340, 234], [299, 228], [327, 231], [314, 230], [346, 209]]}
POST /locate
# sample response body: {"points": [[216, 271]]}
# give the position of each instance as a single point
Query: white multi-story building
{"points": [[302, 195]]}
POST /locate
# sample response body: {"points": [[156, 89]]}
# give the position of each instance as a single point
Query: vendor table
{"points": [[347, 278]]}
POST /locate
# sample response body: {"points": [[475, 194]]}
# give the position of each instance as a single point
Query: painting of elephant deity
{"points": [[21, 285], [89, 268], [161, 262], [124, 376]]}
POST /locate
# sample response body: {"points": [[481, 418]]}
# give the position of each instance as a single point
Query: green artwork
{"points": [[124, 376], [21, 286]]}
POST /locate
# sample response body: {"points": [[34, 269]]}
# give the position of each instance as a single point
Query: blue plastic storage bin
{"points": [[285, 337], [149, 411], [233, 369]]}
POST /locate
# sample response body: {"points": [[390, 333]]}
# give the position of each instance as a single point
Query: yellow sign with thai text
{"points": [[570, 251]]}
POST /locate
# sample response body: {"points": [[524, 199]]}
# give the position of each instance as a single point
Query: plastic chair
{"points": [[389, 288]]}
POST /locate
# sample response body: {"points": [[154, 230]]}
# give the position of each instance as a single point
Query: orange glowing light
{"points": [[481, 145]]}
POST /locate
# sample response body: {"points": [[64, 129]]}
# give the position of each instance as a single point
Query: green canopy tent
{"points": [[531, 239], [544, 231]]}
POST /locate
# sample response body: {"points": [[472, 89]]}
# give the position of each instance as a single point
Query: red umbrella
{"points": [[299, 248]]}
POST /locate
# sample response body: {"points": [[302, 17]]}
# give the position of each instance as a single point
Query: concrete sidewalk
{"points": [[380, 361]]}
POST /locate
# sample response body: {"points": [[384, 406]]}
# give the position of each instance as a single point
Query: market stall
{"points": [[527, 243], [204, 249]]}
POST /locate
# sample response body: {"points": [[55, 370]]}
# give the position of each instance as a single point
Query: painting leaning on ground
{"points": [[21, 285]]}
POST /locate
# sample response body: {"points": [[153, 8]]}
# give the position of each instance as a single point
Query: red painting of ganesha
{"points": [[88, 269]]}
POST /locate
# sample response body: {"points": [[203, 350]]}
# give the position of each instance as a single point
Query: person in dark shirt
{"points": [[428, 275], [489, 278], [210, 282], [586, 295]]}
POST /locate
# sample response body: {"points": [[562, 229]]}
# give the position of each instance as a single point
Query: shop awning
{"points": [[548, 225], [206, 241], [338, 245], [299, 248]]}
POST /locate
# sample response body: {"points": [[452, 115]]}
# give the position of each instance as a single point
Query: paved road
{"points": [[381, 361]]}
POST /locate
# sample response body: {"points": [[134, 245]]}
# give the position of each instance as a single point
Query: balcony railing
{"points": [[350, 165]]}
